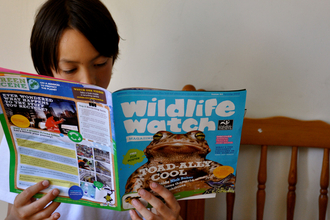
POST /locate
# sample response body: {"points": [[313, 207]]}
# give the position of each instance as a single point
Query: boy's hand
{"points": [[168, 211], [26, 207]]}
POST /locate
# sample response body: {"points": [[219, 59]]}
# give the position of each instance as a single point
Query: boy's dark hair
{"points": [[90, 17]]}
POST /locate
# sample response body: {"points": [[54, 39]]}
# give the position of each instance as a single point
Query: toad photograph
{"points": [[178, 162]]}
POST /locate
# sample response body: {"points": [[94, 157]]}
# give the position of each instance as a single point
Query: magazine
{"points": [[99, 148]]}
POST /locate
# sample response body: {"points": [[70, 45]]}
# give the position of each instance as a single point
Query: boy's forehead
{"points": [[75, 47]]}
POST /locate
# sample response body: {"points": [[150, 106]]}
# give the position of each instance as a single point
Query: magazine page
{"points": [[186, 141], [60, 131]]}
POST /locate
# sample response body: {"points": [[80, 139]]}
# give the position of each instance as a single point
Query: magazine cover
{"points": [[186, 141], [100, 148]]}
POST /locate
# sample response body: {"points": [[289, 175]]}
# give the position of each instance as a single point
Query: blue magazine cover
{"points": [[186, 141]]}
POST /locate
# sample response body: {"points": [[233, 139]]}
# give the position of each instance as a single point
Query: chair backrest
{"points": [[283, 131]]}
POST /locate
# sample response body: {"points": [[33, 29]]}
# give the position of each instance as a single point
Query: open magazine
{"points": [[99, 148]]}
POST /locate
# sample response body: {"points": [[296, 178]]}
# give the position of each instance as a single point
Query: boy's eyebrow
{"points": [[71, 61]]}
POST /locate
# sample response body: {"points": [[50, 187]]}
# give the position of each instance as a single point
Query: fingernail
{"points": [[142, 192], [56, 215], [153, 185], [134, 202], [56, 192], [45, 183]]}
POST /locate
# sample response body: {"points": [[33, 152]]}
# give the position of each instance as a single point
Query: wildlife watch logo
{"points": [[225, 124]]}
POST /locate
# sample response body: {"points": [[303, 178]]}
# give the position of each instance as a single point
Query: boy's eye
{"points": [[101, 64], [69, 71]]}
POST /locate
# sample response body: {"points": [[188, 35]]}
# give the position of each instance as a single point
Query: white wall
{"points": [[277, 50]]}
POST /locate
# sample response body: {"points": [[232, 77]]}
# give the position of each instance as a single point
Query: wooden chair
{"points": [[283, 131]]}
